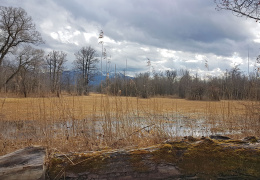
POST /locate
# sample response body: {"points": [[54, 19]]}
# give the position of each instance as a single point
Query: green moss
{"points": [[169, 152], [180, 145], [138, 163], [233, 141], [137, 160], [209, 159], [253, 140], [166, 146]]}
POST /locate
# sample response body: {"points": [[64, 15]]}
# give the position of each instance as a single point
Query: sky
{"points": [[172, 34]]}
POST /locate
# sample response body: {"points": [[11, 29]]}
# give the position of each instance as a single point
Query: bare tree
{"points": [[67, 83], [86, 63], [30, 77], [184, 83], [247, 8], [171, 77], [24, 59], [55, 64], [16, 28]]}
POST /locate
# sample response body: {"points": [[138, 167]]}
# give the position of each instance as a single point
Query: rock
{"points": [[27, 163], [219, 137], [251, 139]]}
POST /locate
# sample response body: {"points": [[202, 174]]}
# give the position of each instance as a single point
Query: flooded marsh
{"points": [[97, 121]]}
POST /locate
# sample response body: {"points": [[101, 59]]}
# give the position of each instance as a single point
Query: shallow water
{"points": [[173, 126]]}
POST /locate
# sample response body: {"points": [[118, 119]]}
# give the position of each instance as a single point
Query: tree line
{"points": [[233, 85], [26, 69]]}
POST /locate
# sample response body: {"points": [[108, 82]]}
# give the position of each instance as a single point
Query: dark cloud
{"points": [[189, 26]]}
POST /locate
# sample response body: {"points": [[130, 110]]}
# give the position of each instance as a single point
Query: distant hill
{"points": [[71, 75]]}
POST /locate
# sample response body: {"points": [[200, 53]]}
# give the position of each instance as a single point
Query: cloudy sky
{"points": [[173, 34]]}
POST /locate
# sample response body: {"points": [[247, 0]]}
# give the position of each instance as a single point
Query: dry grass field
{"points": [[80, 123], [80, 107]]}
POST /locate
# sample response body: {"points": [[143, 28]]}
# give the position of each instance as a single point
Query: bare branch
{"points": [[247, 8], [16, 28]]}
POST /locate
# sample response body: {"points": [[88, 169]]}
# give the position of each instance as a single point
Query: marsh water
{"points": [[174, 126], [113, 128]]}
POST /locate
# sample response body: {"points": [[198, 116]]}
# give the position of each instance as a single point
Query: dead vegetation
{"points": [[81, 123]]}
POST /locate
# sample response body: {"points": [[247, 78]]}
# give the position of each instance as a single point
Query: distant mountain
{"points": [[71, 75], [102, 77]]}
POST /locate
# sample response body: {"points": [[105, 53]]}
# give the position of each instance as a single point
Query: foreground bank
{"points": [[213, 158], [191, 158]]}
